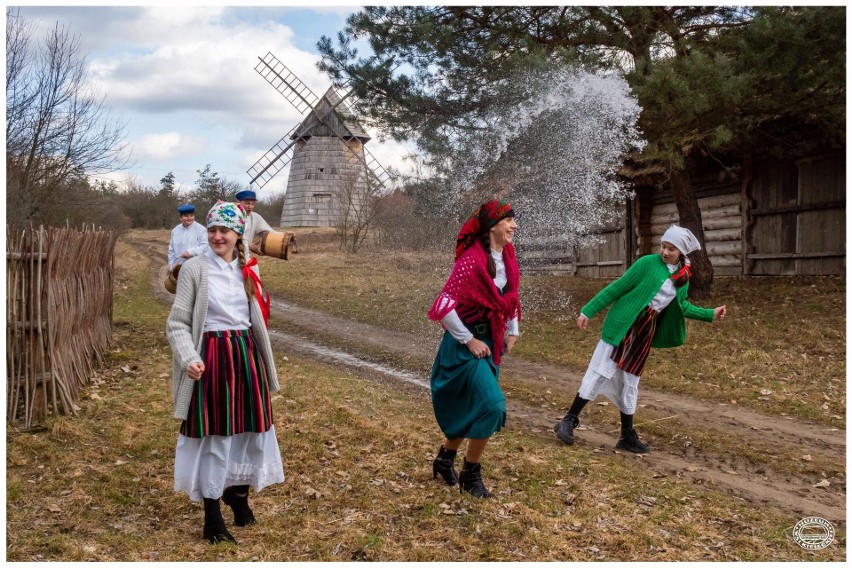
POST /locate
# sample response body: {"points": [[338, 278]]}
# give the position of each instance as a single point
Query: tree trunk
{"points": [[690, 217]]}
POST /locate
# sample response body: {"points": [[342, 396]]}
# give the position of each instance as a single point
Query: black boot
{"points": [[470, 480], [214, 524], [565, 428], [236, 497], [445, 464], [629, 441]]}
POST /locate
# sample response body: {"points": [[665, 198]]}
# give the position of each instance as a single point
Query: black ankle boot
{"points": [[236, 497], [214, 524], [565, 428], [470, 480], [445, 464], [629, 441]]}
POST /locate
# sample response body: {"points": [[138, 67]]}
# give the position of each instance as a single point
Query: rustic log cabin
{"points": [[774, 218]]}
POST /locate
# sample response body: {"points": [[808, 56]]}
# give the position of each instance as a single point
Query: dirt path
{"points": [[301, 329]]}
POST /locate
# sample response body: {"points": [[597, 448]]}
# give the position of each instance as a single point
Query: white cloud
{"points": [[167, 146], [184, 79]]}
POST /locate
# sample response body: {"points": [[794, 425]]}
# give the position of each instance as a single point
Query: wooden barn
{"points": [[775, 218]]}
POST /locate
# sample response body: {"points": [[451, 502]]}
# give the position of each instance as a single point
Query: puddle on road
{"points": [[325, 353]]}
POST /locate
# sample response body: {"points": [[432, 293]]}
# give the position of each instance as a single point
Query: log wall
{"points": [[778, 218]]}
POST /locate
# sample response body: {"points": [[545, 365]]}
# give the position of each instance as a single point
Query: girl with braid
{"points": [[222, 375], [648, 309], [478, 306]]}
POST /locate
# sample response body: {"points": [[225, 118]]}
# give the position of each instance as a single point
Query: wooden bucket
{"points": [[171, 279], [278, 245]]}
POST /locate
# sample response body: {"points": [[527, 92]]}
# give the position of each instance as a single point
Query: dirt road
{"points": [[797, 491]]}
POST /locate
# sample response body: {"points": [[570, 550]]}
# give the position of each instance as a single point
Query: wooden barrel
{"points": [[277, 245], [171, 279]]}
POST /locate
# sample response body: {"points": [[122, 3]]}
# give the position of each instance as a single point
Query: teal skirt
{"points": [[466, 397]]}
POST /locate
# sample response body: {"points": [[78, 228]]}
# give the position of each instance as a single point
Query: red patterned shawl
{"points": [[471, 289]]}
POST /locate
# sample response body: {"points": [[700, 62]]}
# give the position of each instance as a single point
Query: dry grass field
{"points": [[357, 446]]}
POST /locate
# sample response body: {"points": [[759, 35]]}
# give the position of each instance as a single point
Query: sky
{"points": [[182, 79]]}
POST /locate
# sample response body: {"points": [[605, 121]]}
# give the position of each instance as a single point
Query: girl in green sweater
{"points": [[649, 308]]}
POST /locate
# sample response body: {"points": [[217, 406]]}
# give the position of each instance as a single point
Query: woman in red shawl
{"points": [[480, 310]]}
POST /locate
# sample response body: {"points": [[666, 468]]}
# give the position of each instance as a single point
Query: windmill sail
{"points": [[286, 83], [274, 160]]}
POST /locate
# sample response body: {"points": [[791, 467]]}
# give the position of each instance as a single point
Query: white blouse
{"points": [[453, 323], [666, 294], [227, 304]]}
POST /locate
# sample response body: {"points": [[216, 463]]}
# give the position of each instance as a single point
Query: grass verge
{"points": [[357, 455]]}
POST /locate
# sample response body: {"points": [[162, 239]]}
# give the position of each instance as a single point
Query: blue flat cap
{"points": [[246, 194], [186, 208]]}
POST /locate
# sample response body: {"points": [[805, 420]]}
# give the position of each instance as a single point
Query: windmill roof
{"points": [[339, 121]]}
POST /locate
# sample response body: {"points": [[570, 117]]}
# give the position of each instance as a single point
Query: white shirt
{"points": [[254, 224], [192, 239], [227, 304], [666, 294], [453, 323]]}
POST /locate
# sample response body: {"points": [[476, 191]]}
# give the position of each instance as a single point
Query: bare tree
{"points": [[58, 130], [353, 209], [210, 188]]}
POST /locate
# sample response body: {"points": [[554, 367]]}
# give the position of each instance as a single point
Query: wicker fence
{"points": [[58, 317]]}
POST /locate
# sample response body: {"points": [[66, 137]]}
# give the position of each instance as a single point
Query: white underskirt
{"points": [[204, 467], [603, 377]]}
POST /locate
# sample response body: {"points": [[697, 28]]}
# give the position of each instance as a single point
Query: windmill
{"points": [[325, 152]]}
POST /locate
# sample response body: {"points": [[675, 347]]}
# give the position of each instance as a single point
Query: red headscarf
{"points": [[489, 213]]}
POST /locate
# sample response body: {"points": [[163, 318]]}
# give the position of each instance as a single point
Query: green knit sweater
{"points": [[635, 290]]}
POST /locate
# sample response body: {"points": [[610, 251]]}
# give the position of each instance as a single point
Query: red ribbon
{"points": [[686, 270], [259, 290]]}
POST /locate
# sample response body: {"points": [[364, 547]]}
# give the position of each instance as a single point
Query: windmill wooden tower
{"points": [[325, 152]]}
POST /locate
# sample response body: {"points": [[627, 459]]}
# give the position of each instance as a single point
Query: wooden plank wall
{"points": [[604, 256], [796, 223], [786, 218], [598, 255]]}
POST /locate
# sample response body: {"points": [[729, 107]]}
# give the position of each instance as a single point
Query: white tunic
{"points": [[192, 239], [254, 224]]}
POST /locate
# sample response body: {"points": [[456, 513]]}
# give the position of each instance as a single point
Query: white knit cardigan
{"points": [[185, 330]]}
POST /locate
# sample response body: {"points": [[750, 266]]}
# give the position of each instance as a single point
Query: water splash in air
{"points": [[554, 154]]}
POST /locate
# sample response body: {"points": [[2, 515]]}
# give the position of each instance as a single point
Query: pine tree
{"points": [[712, 81]]}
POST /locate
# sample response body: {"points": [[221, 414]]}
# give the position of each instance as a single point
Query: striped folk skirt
{"points": [[232, 395], [631, 354]]}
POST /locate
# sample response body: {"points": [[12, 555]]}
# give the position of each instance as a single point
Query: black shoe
{"points": [[445, 464], [243, 515], [629, 441], [565, 428], [215, 531], [470, 481]]}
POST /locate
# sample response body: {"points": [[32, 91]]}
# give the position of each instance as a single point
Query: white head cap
{"points": [[681, 238]]}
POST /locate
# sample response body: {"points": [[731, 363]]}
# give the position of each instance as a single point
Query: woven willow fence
{"points": [[58, 317]]}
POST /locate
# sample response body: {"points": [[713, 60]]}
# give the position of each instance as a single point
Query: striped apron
{"points": [[630, 355], [232, 395]]}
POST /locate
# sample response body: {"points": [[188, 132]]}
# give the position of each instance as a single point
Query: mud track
{"points": [[798, 494]]}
